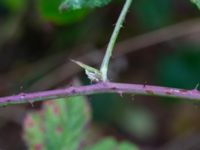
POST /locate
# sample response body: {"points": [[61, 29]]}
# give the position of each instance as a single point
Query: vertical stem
{"points": [[105, 63]]}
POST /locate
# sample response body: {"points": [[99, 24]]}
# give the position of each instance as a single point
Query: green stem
{"points": [[105, 63]]}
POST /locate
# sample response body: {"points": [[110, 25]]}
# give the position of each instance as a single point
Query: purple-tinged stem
{"points": [[104, 87]]}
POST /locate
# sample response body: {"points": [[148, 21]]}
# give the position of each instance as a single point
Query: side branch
{"points": [[109, 50], [105, 87]]}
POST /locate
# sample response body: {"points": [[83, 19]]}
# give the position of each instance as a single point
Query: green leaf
{"points": [[58, 126], [48, 10], [197, 2], [111, 144], [78, 4]]}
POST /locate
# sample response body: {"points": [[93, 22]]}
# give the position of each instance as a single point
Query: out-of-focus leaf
{"points": [[78, 4], [197, 2], [48, 10], [59, 125], [34, 133], [111, 144]]}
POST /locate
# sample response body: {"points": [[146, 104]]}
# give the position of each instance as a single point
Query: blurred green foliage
{"points": [[49, 11], [180, 68], [153, 14], [15, 5], [137, 121], [79, 4], [76, 10], [111, 144], [197, 2], [61, 125]]}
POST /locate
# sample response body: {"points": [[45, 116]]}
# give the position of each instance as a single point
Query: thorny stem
{"points": [[102, 87], [105, 63]]}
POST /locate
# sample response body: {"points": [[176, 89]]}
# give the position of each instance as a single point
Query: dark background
{"points": [[159, 45]]}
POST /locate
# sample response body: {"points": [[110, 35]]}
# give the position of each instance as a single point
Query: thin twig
{"points": [[119, 24], [179, 30], [102, 87]]}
